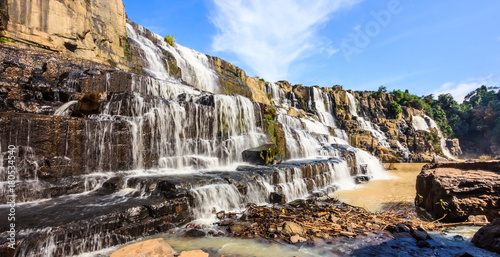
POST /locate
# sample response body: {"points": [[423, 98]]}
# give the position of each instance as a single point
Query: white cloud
{"points": [[269, 35], [461, 89]]}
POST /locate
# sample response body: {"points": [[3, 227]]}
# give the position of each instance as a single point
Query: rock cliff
{"points": [[92, 30]]}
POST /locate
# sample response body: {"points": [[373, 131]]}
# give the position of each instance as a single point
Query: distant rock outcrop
{"points": [[458, 190]]}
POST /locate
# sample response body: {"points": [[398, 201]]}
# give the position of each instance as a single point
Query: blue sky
{"points": [[423, 46]]}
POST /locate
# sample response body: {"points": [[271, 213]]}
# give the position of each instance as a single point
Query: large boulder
{"points": [[261, 155], [488, 237], [460, 190]]}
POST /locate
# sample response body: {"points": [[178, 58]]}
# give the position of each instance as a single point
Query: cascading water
{"points": [[155, 63], [64, 110], [425, 123], [165, 128], [293, 179], [181, 134], [323, 105], [278, 96], [374, 129], [197, 69], [419, 123]]}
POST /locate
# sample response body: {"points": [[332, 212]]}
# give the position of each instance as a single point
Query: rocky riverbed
{"points": [[321, 228]]}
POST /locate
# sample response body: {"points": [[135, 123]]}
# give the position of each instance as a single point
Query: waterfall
{"points": [[419, 123], [213, 198], [197, 69], [177, 134], [303, 137], [425, 123], [322, 104], [353, 108], [155, 64], [373, 165], [293, 179], [278, 96], [367, 124], [169, 89], [374, 129], [64, 109]]}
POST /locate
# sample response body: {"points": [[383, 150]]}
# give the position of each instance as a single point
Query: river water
{"points": [[379, 194]]}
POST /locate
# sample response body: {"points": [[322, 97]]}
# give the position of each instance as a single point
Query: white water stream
{"points": [[425, 123]]}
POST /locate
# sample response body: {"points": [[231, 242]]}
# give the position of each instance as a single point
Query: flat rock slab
{"points": [[460, 190], [150, 248]]}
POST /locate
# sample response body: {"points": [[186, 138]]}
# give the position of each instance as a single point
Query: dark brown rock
{"points": [[261, 155], [277, 198], [460, 190], [488, 237], [195, 233], [463, 254], [90, 103], [423, 244], [420, 235]]}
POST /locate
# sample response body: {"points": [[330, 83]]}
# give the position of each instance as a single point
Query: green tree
{"points": [[395, 109]]}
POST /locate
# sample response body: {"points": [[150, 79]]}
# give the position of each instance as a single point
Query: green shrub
{"points": [[170, 39], [395, 109], [377, 94]]}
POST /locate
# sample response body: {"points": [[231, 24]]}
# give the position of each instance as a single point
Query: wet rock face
{"points": [[36, 82], [158, 204], [60, 144], [260, 155], [488, 237], [79, 227], [277, 198], [459, 190]]}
